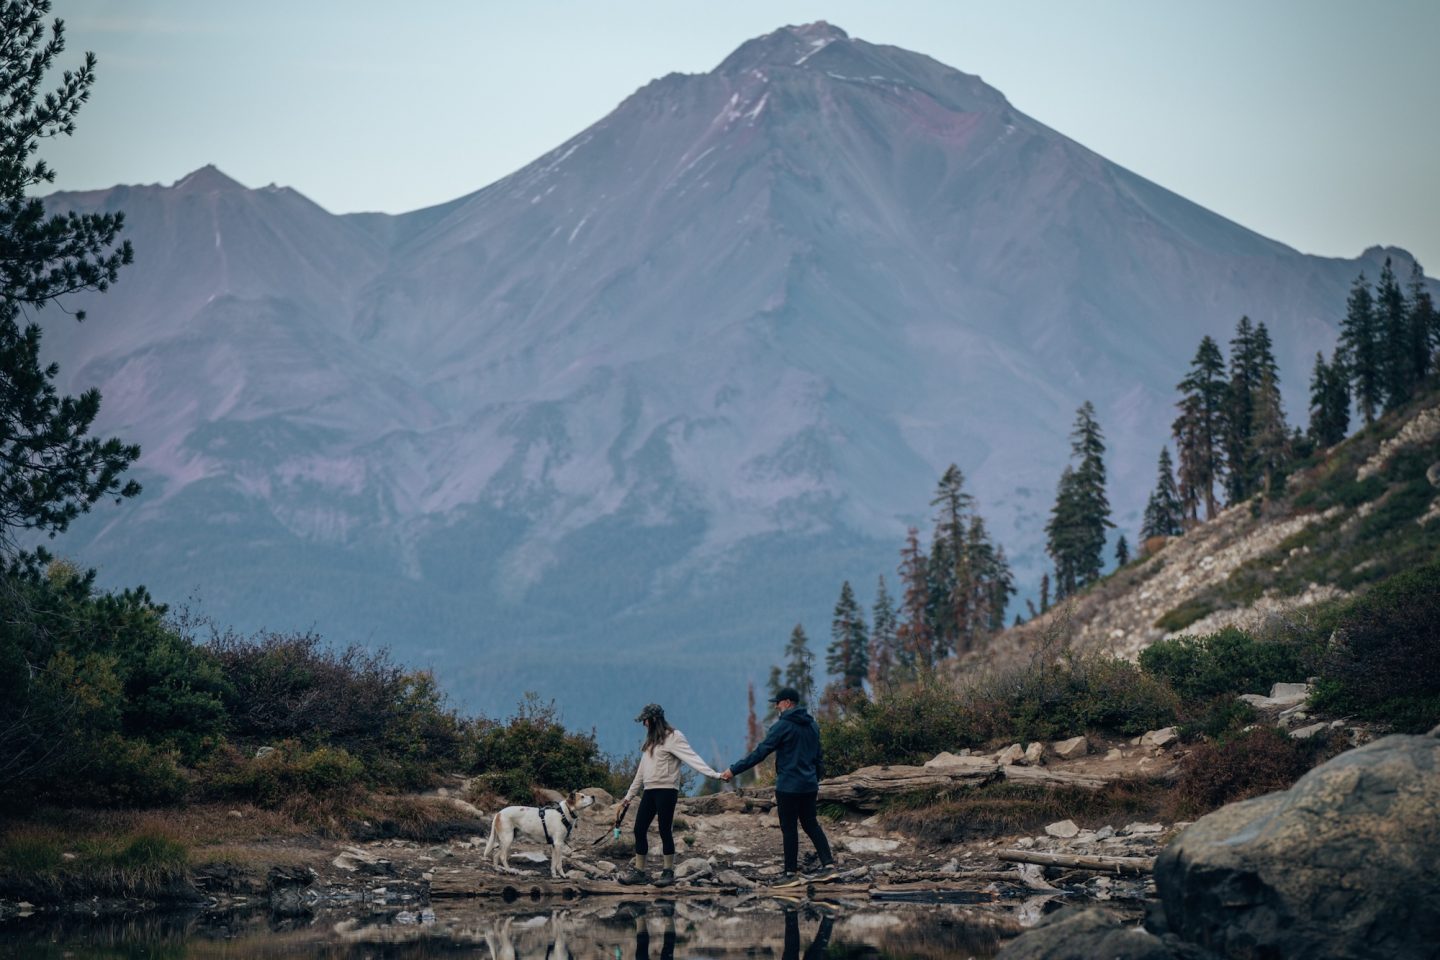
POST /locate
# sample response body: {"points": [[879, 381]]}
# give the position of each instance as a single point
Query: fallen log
{"points": [[469, 884], [1129, 866], [1041, 777], [868, 787]]}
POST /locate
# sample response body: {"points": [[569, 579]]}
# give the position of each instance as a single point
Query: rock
{"points": [[356, 859], [1105, 833], [1289, 691], [1115, 753], [1064, 829], [692, 869], [732, 878], [1340, 865], [715, 803], [1308, 731], [1035, 754], [235, 815], [1082, 935], [1072, 748], [945, 759], [1141, 829], [1011, 754], [1162, 738], [951, 866], [1433, 474], [869, 844], [263, 752]]}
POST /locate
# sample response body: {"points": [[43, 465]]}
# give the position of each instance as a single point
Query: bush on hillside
{"points": [[906, 725], [533, 750], [1258, 760], [1228, 662], [289, 771], [1383, 660]]}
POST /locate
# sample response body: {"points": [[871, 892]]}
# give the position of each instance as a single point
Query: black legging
{"points": [[642, 942], [661, 803], [799, 807]]}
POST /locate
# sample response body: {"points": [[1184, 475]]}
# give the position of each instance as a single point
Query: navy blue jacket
{"points": [[795, 741]]}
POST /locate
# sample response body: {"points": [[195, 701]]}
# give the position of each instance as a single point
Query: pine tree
{"points": [[1122, 551], [884, 639], [1164, 514], [51, 470], [1064, 535], [1044, 592], [1240, 468], [1200, 428], [1361, 346], [1392, 322], [773, 685], [846, 657], [1091, 502], [754, 733], [915, 639], [1424, 326], [1270, 448], [953, 569], [799, 666]]}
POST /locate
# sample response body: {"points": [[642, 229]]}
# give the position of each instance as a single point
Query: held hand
{"points": [[727, 776]]}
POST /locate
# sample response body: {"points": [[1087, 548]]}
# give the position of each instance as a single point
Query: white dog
{"points": [[551, 824]]}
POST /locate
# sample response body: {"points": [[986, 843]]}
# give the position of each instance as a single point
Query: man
{"points": [[795, 741]]}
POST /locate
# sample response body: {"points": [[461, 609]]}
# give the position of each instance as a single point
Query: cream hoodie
{"points": [[660, 768]]}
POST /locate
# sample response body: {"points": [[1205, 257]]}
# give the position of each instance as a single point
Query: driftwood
{"points": [[1130, 866], [1041, 777], [868, 787]]}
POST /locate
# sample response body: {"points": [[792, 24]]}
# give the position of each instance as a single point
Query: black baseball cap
{"points": [[786, 693]]}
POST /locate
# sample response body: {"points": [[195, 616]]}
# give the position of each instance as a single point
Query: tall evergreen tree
{"points": [[1270, 447], [1240, 468], [1122, 551], [1329, 402], [884, 638], [847, 657], [915, 638], [51, 469], [1200, 428], [1044, 592], [1361, 346], [1392, 321], [1424, 326], [1064, 535], [1093, 504], [799, 666], [773, 685], [952, 566], [1164, 514]]}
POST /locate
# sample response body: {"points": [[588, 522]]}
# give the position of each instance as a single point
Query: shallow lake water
{"points": [[592, 929]]}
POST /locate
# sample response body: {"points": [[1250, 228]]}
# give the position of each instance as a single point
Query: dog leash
{"points": [[619, 819]]}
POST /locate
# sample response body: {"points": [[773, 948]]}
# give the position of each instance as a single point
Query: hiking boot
{"points": [[633, 877], [666, 878], [826, 871], [785, 879]]}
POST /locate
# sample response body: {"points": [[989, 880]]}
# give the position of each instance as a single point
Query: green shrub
{"points": [[534, 749], [1219, 718], [1230, 661], [1383, 661], [1195, 608], [906, 725], [290, 771]]}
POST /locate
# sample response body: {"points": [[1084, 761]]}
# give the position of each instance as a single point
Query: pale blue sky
{"points": [[1311, 121]]}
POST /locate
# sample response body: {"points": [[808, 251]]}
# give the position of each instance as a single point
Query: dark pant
{"points": [[642, 943], [799, 808], [818, 947], [660, 803]]}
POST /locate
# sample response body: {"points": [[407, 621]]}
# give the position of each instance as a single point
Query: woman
{"points": [[658, 777]]}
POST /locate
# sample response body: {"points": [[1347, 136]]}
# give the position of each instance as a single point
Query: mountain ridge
{"points": [[662, 388]]}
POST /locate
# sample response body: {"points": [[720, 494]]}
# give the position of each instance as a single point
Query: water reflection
{"points": [[600, 930]]}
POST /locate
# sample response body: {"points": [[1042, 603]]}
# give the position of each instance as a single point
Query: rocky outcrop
{"points": [[1343, 864], [1088, 934]]}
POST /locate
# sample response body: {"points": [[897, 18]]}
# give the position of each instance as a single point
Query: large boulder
{"points": [[1346, 863]]}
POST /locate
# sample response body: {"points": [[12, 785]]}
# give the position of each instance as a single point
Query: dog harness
{"points": [[545, 827]]}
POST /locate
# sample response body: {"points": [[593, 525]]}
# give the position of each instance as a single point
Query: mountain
{"points": [[607, 428]]}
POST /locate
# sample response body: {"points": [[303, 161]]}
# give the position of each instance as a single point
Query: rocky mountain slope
{"points": [[607, 428], [1355, 514]]}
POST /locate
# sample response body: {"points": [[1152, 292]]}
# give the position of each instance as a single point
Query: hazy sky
{"points": [[1311, 121]]}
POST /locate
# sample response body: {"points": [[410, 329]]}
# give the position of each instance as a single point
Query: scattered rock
{"points": [[1072, 748], [869, 844], [1064, 829], [1162, 738], [263, 752], [235, 815], [1433, 474], [1308, 731], [1035, 754], [1340, 865], [1011, 754], [1115, 753], [947, 759], [733, 878], [1141, 829], [692, 869], [1290, 691]]}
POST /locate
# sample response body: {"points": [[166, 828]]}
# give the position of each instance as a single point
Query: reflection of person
{"points": [[817, 948], [795, 740], [642, 940], [659, 777]]}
